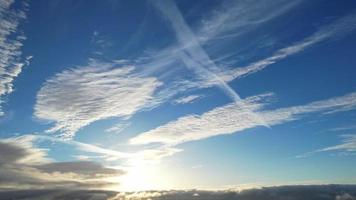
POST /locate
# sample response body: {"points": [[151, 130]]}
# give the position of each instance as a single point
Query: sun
{"points": [[140, 177]]}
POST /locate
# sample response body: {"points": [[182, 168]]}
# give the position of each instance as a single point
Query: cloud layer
{"points": [[26, 166], [306, 192]]}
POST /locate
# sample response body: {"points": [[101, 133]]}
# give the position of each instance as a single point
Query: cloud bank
{"points": [[25, 166], [305, 192]]}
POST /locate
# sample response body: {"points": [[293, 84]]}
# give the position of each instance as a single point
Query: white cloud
{"points": [[38, 156], [117, 128], [346, 148], [187, 99], [226, 22], [343, 128], [106, 153], [79, 96], [233, 18], [11, 42], [192, 54], [348, 145], [232, 118], [222, 120], [336, 29]]}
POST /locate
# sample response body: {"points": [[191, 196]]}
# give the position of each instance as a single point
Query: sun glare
{"points": [[140, 176]]}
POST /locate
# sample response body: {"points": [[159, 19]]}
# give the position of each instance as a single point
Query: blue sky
{"points": [[178, 94]]}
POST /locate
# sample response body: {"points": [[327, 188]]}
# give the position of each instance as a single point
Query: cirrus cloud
{"points": [[11, 42], [79, 96], [232, 118]]}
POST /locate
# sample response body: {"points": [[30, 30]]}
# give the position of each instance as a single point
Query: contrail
{"points": [[192, 54]]}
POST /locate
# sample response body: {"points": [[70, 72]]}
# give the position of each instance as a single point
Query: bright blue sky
{"points": [[185, 94]]}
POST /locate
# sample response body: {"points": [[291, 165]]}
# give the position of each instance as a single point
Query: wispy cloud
{"points": [[11, 42], [106, 154], [336, 29], [343, 128], [233, 18], [187, 99], [81, 106], [231, 118], [192, 54], [117, 128], [225, 23], [222, 120], [79, 96], [348, 144], [347, 147]]}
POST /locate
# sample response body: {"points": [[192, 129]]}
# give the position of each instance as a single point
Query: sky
{"points": [[163, 94]]}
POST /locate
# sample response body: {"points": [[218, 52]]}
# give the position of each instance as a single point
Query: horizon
{"points": [[176, 95]]}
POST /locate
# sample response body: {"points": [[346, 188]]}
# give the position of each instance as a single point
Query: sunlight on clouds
{"points": [[168, 56], [145, 170], [139, 177], [26, 166]]}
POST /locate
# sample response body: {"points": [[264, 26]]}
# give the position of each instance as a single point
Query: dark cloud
{"points": [[10, 153], [57, 195], [85, 168], [324, 192], [23, 166]]}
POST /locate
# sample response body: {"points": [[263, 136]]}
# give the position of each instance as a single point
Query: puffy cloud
{"points": [[232, 118], [79, 96], [11, 42]]}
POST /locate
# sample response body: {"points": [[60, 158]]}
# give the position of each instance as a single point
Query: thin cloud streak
{"points": [[346, 148], [192, 54], [187, 99], [336, 29], [148, 156], [348, 144], [107, 154]]}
